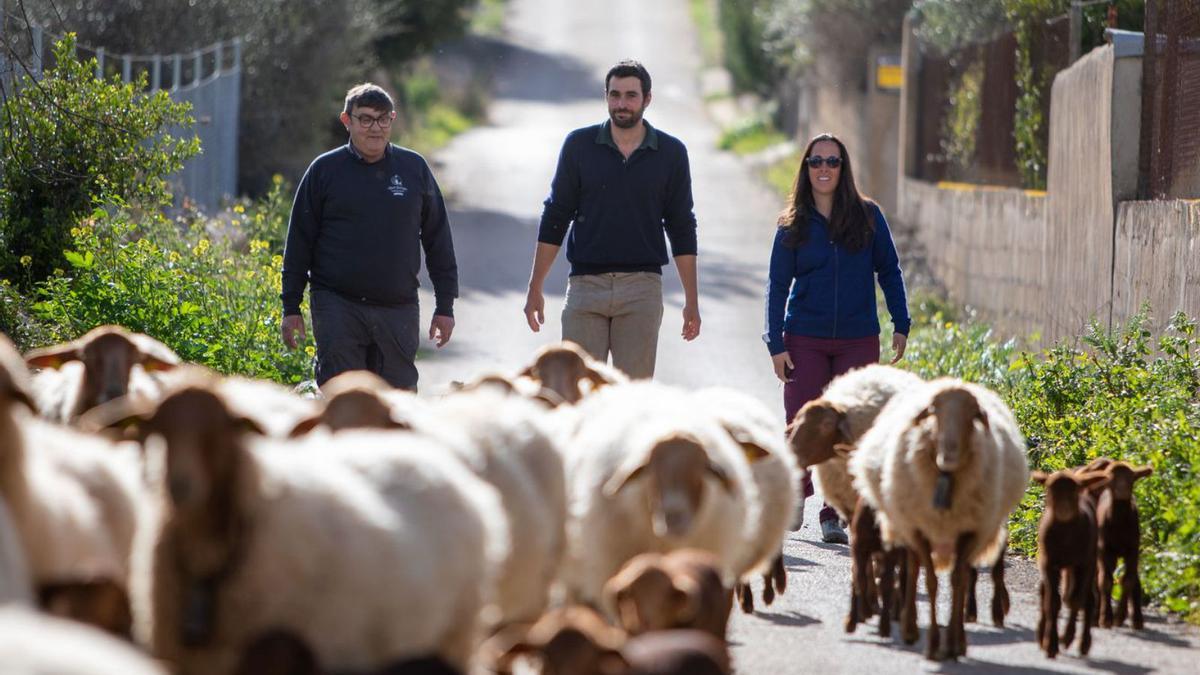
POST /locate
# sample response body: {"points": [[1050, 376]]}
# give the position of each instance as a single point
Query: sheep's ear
{"points": [[718, 472], [247, 425], [920, 417], [305, 426], [1142, 472], [1095, 465], [621, 478], [127, 413], [597, 378], [1039, 477], [843, 427], [52, 357], [528, 372], [982, 418], [753, 451], [843, 450], [153, 354]]}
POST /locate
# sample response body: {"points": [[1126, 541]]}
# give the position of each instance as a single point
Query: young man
{"points": [[619, 185], [360, 213]]}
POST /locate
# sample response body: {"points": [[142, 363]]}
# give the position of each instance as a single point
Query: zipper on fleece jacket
{"points": [[836, 275]]}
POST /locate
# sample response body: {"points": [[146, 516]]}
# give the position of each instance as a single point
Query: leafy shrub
{"points": [[211, 300], [749, 136], [72, 139]]}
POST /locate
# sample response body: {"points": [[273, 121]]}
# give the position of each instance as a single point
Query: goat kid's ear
{"points": [[921, 416], [52, 357], [1089, 480], [598, 380], [843, 450], [982, 418], [152, 354], [1039, 477], [528, 372], [624, 476], [1142, 472], [247, 425], [718, 472]]}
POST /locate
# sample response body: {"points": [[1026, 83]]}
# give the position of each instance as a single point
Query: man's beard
{"points": [[628, 122]]}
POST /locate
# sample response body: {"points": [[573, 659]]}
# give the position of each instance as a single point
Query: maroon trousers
{"points": [[817, 361]]}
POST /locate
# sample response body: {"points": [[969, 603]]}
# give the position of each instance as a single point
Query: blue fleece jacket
{"points": [[830, 290]]}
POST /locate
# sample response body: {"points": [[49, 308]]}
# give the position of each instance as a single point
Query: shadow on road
{"points": [[525, 74], [787, 618], [792, 562], [495, 252]]}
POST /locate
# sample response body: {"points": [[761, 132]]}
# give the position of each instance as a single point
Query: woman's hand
{"points": [[783, 366], [899, 340]]}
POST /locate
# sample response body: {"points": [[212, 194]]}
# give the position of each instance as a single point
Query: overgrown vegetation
{"points": [[1119, 394], [961, 123], [750, 136], [71, 137]]}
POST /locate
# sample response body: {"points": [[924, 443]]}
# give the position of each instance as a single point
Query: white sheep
{"points": [[824, 431], [776, 475], [106, 363], [35, 644], [944, 466], [648, 473], [370, 545], [73, 498]]}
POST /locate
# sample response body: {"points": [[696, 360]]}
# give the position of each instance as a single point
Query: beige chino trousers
{"points": [[618, 313]]}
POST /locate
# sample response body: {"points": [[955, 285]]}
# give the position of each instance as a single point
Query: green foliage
{"points": [[1119, 395], [703, 15], [211, 299], [742, 30], [750, 136], [962, 120], [71, 140]]}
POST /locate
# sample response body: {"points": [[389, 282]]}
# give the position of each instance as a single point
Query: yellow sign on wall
{"points": [[888, 74]]}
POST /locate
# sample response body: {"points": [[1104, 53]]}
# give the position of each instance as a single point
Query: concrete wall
{"points": [[985, 246], [1157, 260]]}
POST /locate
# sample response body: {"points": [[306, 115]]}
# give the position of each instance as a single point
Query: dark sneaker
{"points": [[832, 533]]}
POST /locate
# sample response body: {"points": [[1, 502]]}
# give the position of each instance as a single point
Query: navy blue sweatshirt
{"points": [[357, 228], [829, 290], [617, 209]]}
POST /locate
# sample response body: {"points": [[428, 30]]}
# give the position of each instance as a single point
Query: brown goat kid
{"points": [[1067, 551], [565, 366], [680, 589], [1119, 538]]}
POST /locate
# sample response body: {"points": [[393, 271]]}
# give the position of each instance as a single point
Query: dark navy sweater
{"points": [[616, 209], [357, 229], [829, 290]]}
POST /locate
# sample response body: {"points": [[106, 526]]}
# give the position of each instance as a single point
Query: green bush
{"points": [[71, 140], [1117, 394], [211, 299]]}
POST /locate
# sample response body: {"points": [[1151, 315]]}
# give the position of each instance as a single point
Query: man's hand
{"points": [[691, 322], [440, 329], [899, 341], [782, 363], [293, 326], [535, 309]]}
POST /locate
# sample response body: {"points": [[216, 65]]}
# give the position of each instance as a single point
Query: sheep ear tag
{"points": [[942, 490]]}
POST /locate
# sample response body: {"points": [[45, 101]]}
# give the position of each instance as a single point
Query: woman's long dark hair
{"points": [[850, 224]]}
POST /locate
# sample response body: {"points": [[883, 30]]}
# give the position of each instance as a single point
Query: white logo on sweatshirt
{"points": [[396, 187]]}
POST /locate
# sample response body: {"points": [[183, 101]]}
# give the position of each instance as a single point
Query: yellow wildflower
{"points": [[310, 350], [238, 208], [26, 261]]}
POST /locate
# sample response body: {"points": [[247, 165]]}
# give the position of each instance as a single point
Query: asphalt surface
{"points": [[549, 80]]}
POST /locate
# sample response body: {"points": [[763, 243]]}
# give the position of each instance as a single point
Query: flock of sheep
{"points": [[558, 520]]}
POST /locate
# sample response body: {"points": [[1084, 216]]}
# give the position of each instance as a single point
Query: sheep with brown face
{"points": [[356, 399], [943, 466], [680, 589], [1067, 551], [251, 534], [73, 503], [565, 367], [104, 364], [648, 472]]}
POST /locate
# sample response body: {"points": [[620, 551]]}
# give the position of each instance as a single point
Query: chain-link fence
{"points": [[1170, 143], [209, 78]]}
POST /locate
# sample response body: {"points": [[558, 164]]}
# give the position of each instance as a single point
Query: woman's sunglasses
{"points": [[815, 161]]}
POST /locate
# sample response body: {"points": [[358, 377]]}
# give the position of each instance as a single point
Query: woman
{"points": [[821, 316]]}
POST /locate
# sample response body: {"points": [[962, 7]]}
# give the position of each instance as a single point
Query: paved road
{"points": [[550, 80]]}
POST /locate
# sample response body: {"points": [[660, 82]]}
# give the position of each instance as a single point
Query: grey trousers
{"points": [[618, 313], [355, 336]]}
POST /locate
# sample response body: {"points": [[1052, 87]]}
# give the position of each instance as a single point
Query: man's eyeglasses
{"points": [[368, 121], [815, 161]]}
